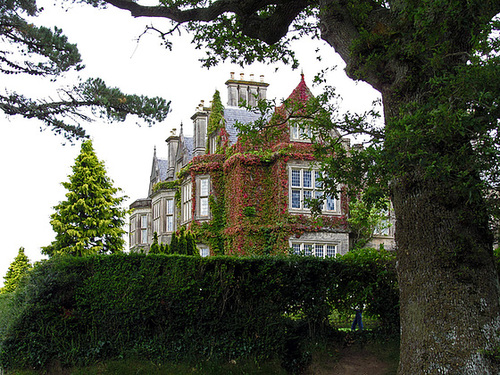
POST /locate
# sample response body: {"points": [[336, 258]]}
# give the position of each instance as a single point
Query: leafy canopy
{"points": [[90, 220]]}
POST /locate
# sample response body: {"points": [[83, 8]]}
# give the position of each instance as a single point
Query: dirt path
{"points": [[352, 362]]}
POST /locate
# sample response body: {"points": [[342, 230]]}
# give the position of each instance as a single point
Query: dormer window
{"points": [[300, 132]]}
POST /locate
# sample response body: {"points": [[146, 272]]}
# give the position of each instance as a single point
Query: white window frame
{"points": [[300, 132], [203, 196], [169, 215], [320, 249], [304, 183], [383, 228], [156, 217], [132, 230], [143, 224], [204, 250], [187, 201]]}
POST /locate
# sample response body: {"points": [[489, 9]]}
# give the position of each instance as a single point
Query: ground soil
{"points": [[350, 361]]}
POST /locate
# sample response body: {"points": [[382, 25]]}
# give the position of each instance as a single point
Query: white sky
{"points": [[33, 163]]}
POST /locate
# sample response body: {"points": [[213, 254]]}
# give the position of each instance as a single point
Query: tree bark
{"points": [[448, 283]]}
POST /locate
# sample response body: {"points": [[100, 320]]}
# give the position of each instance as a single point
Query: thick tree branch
{"points": [[206, 14], [269, 28]]}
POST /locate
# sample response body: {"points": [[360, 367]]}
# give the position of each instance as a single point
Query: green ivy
{"points": [[166, 185]]}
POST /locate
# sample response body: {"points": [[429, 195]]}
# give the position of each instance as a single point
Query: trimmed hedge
{"points": [[165, 307]]}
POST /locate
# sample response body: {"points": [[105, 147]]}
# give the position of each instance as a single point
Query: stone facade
{"points": [[240, 197]]}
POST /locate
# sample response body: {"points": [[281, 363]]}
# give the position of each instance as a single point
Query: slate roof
{"points": [[162, 169], [233, 115], [188, 148]]}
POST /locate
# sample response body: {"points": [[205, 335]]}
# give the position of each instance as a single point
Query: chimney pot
{"points": [[242, 76], [262, 77], [232, 75]]}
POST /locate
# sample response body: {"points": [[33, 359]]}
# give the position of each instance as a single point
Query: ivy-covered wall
{"points": [[249, 202]]}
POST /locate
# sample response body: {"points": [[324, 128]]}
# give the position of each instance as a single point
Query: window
{"points": [[300, 132], [204, 191], [213, 144], [204, 250], [317, 249], [306, 184], [382, 228], [156, 217], [169, 215], [132, 230], [144, 228], [187, 200]]}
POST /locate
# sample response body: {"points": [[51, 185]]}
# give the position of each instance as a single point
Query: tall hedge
{"points": [[166, 307]]}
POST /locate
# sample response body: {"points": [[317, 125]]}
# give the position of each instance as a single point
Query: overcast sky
{"points": [[33, 163]]}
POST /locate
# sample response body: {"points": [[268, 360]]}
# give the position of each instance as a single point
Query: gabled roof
{"points": [[301, 93]]}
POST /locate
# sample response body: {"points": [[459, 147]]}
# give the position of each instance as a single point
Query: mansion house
{"points": [[244, 195]]}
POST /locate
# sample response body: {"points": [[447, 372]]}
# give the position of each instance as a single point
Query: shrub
{"points": [[171, 307]]}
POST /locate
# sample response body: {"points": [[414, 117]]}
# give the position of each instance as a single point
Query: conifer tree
{"points": [[192, 249], [43, 52], [174, 245], [17, 269], [164, 248], [183, 243], [155, 247], [90, 220]]}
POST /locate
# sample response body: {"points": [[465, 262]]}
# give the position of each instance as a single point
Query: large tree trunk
{"points": [[449, 290], [448, 282]]}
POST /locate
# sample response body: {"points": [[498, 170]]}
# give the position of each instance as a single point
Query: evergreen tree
{"points": [[28, 49], [183, 243], [17, 269], [192, 249], [90, 220], [164, 248], [174, 245], [155, 248]]}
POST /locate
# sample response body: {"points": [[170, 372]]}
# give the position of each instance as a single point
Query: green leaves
{"points": [[223, 39], [33, 50], [90, 220]]}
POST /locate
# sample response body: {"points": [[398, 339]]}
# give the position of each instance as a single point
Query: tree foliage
{"points": [[155, 247], [17, 270], [183, 243], [39, 51], [90, 220], [365, 220]]}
